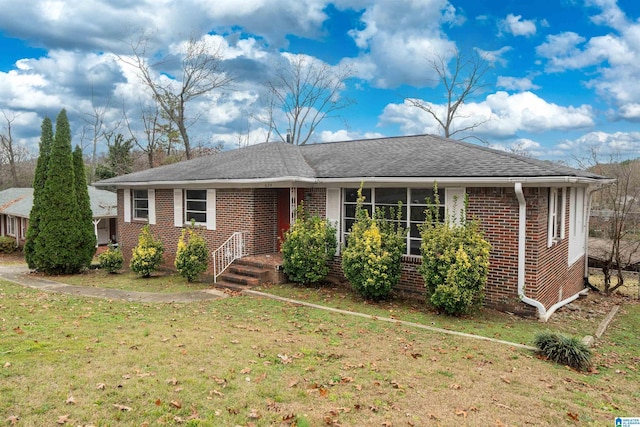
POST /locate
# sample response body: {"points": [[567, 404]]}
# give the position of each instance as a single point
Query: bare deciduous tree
{"points": [[199, 72], [151, 142], [460, 84], [616, 211], [7, 148], [308, 92]]}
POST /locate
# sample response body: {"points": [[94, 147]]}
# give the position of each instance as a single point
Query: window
{"points": [[414, 204], [195, 203], [11, 226], [140, 204], [577, 229], [556, 215]]}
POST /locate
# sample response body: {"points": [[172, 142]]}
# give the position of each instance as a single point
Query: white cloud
{"points": [[494, 56], [502, 116], [605, 144], [514, 24], [515, 83], [398, 37], [346, 135]]}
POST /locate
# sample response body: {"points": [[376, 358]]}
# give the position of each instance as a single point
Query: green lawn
{"points": [[246, 361]]}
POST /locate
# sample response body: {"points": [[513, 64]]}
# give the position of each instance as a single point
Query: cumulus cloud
{"points": [[514, 83], [494, 56], [515, 25], [398, 37], [500, 115], [604, 144], [346, 135]]}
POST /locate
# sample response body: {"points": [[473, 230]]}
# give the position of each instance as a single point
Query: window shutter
{"points": [[177, 208], [127, 205], [151, 197], [454, 204], [211, 209], [333, 211]]}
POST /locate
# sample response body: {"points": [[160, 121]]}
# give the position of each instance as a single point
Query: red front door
{"points": [[284, 210]]}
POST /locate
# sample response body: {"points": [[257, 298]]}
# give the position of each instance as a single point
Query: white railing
{"points": [[235, 247]]}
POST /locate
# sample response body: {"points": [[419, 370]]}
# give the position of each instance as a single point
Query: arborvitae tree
{"points": [[86, 246], [60, 231], [46, 141]]}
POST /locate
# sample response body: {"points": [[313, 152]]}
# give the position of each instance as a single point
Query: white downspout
{"points": [[522, 240], [543, 313], [95, 228]]}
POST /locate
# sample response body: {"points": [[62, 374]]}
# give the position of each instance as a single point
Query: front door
{"points": [[286, 205]]}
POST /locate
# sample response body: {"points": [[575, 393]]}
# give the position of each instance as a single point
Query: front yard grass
{"points": [[66, 360], [160, 281]]}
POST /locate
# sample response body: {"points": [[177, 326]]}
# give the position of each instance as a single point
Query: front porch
{"points": [[252, 270]]}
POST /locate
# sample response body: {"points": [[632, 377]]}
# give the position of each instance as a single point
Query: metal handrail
{"points": [[232, 249]]}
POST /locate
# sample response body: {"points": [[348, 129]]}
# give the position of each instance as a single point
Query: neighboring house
{"points": [[16, 203], [534, 213]]}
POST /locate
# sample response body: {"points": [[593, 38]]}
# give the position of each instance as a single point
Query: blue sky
{"points": [[563, 76]]}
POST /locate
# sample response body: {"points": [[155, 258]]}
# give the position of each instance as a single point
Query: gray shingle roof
{"points": [[424, 156], [18, 202]]}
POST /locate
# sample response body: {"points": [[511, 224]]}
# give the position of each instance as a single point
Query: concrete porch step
{"points": [[229, 285]]}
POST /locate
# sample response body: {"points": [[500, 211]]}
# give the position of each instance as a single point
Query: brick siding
{"points": [[548, 278]]}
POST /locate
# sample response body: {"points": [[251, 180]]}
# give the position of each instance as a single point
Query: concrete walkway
{"points": [[19, 274]]}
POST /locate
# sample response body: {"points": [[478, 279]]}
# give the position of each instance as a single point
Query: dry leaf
{"points": [[12, 420], [261, 377], [293, 383], [100, 386], [454, 386], [63, 419], [254, 415], [216, 392], [246, 371], [7, 365], [18, 331], [573, 416], [70, 400], [172, 381], [176, 404], [461, 413], [506, 380]]}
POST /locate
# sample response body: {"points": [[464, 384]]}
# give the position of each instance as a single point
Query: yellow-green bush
{"points": [[147, 255], [8, 244], [307, 248], [372, 258], [192, 255], [455, 262], [111, 260]]}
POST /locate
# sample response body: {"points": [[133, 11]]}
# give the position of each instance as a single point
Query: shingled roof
{"points": [[411, 157], [18, 202]]}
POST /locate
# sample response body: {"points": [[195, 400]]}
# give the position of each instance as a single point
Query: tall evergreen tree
{"points": [[60, 233], [46, 141], [86, 246]]}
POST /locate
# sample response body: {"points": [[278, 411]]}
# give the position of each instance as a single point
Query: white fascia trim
{"points": [[287, 181]]}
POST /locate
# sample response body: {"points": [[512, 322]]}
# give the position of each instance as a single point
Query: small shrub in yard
{"points": [[111, 260], [455, 262], [147, 255], [192, 255], [371, 260], [568, 351], [7, 244], [307, 248]]}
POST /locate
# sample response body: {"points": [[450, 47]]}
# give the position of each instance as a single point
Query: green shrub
{"points": [[192, 255], [111, 260], [7, 244], [455, 262], [147, 255], [308, 247], [568, 351], [371, 259]]}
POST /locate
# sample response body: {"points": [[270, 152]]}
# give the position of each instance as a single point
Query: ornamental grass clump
{"points": [[569, 351], [111, 260], [371, 259], [307, 248], [147, 255], [192, 255], [455, 261]]}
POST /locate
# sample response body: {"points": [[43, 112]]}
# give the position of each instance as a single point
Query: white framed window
{"points": [[11, 226], [23, 228], [140, 205], [196, 204], [412, 214], [557, 210]]}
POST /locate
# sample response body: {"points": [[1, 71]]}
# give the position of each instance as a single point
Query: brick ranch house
{"points": [[534, 213]]}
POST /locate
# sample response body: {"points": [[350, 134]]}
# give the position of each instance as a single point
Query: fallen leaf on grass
{"points": [[176, 404], [63, 419], [294, 382], [254, 414], [461, 413], [121, 407], [505, 379], [454, 386], [13, 420], [100, 386], [172, 381], [7, 365], [573, 416], [246, 370], [70, 400], [18, 331]]}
